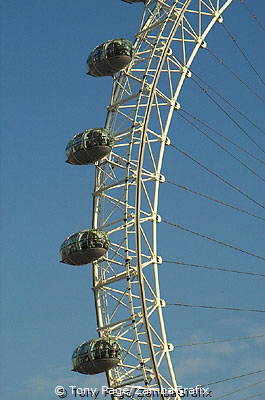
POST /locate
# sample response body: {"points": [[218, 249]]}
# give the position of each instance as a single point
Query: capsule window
{"points": [[83, 245], [77, 142], [72, 239], [98, 54], [83, 349], [110, 49], [75, 353]]}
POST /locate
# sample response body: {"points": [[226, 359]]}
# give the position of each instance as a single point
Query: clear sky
{"points": [[47, 308]]}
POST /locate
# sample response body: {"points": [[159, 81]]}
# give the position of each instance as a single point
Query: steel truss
{"points": [[144, 98]]}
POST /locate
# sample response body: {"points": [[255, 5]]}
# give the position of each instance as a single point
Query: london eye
{"points": [[125, 244]]}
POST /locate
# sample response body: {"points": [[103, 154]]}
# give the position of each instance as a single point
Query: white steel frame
{"points": [[144, 98]]}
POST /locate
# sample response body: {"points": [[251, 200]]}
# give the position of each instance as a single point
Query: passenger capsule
{"points": [[89, 146], [110, 57], [96, 356], [84, 247]]}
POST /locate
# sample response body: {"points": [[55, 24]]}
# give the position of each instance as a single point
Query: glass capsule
{"points": [[89, 146], [84, 247], [110, 57], [96, 356]]}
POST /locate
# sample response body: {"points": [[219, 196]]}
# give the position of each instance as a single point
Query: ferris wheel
{"points": [[148, 75]]}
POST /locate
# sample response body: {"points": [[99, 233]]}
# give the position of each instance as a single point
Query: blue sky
{"points": [[47, 307]]}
